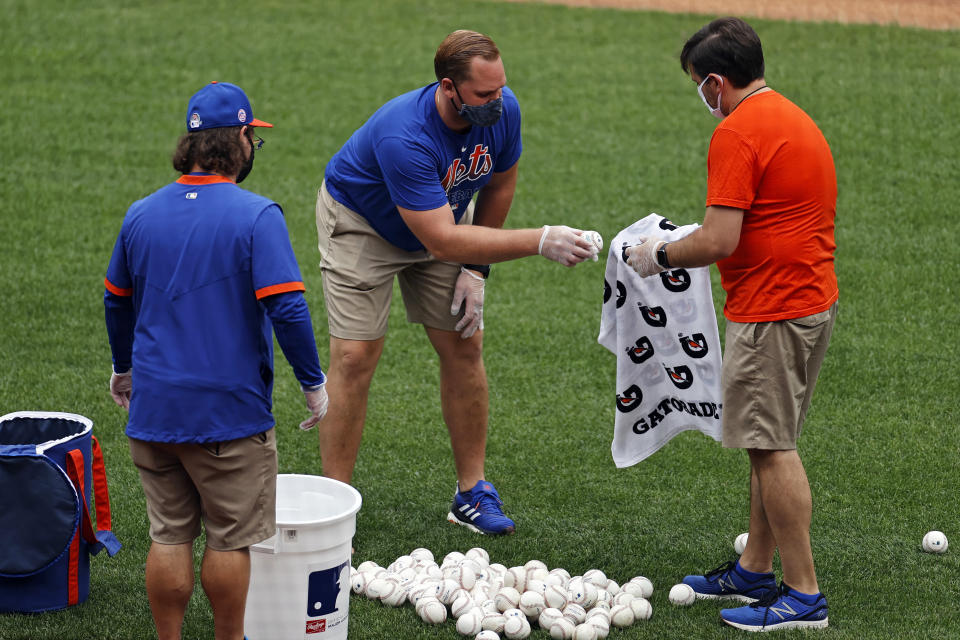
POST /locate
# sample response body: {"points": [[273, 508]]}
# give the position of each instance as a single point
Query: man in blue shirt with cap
{"points": [[201, 272]]}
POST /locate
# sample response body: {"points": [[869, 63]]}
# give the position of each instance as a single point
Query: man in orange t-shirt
{"points": [[769, 226]]}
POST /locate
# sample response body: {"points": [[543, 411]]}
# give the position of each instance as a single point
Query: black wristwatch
{"points": [[482, 269], [662, 256]]}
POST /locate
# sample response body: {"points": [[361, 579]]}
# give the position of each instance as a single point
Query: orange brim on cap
{"points": [[259, 123]]}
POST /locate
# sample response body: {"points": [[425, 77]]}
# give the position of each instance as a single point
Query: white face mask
{"points": [[715, 110]]}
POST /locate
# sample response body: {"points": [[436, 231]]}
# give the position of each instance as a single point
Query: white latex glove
{"points": [[564, 245], [121, 385], [468, 293], [317, 403], [643, 257]]}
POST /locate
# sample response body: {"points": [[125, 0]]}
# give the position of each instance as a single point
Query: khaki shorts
{"points": [[769, 372], [231, 486], [358, 267]]}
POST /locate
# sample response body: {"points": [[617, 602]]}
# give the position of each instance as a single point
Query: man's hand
{"points": [[317, 403], [121, 385], [468, 293], [565, 245], [643, 257]]}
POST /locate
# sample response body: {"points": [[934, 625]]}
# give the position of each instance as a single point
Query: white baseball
{"points": [[595, 239], [562, 629], [613, 587], [487, 635], [585, 631], [597, 577], [646, 587], [494, 622], [635, 589], [516, 577], [621, 616], [401, 563], [532, 603], [462, 603], [469, 624], [548, 616], [507, 598], [478, 553], [433, 612], [574, 613], [740, 543], [369, 564], [601, 625], [395, 599], [516, 628], [464, 576], [642, 609], [682, 595], [555, 596], [935, 542], [421, 553], [358, 583]]}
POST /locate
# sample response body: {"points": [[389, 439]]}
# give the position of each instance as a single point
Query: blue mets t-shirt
{"points": [[196, 257], [404, 155]]}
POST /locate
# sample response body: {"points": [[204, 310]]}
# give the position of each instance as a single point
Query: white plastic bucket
{"points": [[300, 578]]}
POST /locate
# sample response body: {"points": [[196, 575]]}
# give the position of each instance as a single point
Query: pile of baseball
{"points": [[489, 600]]}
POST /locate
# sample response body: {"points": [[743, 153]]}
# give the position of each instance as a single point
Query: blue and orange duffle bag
{"points": [[51, 471]]}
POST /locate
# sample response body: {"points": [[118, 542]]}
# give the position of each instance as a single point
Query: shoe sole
{"points": [[791, 624], [452, 518], [738, 597]]}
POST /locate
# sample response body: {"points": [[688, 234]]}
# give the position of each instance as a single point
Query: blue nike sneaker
{"points": [[730, 581], [479, 510], [783, 609]]}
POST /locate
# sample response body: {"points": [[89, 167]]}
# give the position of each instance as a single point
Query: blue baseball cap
{"points": [[221, 104]]}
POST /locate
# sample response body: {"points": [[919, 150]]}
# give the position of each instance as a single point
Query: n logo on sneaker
{"points": [[783, 610], [727, 585]]}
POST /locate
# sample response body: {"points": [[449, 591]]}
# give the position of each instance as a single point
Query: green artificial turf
{"points": [[93, 98]]}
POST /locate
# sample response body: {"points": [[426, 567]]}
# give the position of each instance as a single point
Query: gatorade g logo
{"points": [[623, 251], [621, 294], [642, 352], [666, 225], [694, 346], [653, 316], [607, 292], [681, 376], [629, 399], [323, 589], [677, 280]]}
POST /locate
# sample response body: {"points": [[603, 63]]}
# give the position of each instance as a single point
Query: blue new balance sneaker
{"points": [[730, 581], [783, 609], [479, 510]]}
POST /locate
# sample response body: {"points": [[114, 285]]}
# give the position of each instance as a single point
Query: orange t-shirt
{"points": [[770, 159]]}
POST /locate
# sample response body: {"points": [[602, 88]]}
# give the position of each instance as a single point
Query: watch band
{"points": [[482, 269], [662, 256]]}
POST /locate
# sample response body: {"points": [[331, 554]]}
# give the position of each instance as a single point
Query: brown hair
{"points": [[216, 150], [457, 49]]}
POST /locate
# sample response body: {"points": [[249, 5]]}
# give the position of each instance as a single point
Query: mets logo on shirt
{"points": [[478, 164]]}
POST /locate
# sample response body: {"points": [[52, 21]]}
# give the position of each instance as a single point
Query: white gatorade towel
{"points": [[663, 330]]}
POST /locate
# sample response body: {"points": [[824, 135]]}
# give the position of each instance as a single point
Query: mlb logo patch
{"points": [[242, 115], [192, 195], [195, 120]]}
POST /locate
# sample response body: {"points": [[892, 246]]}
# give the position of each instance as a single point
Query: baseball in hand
{"points": [[595, 239]]}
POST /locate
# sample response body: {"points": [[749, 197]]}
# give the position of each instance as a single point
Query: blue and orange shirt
{"points": [[196, 260]]}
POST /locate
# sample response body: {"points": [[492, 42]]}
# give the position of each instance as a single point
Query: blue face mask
{"points": [[481, 115]]}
